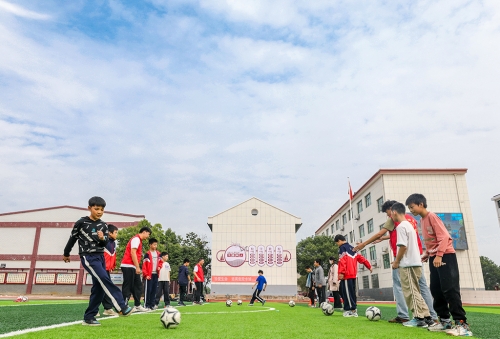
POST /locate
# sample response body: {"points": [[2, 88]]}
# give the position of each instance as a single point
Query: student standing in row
{"points": [[310, 286], [443, 266], [333, 283], [163, 281], [150, 268], [199, 278], [184, 280], [319, 281], [110, 260], [130, 266]]}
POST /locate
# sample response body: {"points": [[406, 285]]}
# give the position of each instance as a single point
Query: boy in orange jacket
{"points": [[151, 265]]}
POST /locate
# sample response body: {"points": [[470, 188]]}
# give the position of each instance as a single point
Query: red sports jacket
{"points": [[348, 261], [147, 265]]}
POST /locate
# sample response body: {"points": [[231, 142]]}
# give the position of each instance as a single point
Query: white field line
{"points": [[43, 328], [24, 304]]}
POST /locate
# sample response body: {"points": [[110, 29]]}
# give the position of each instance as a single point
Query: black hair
{"points": [[261, 271], [162, 254], [145, 229], [399, 208], [318, 261], [308, 267], [152, 241], [97, 201], [387, 205], [332, 258], [201, 259], [339, 237], [112, 228], [417, 199], [186, 261]]}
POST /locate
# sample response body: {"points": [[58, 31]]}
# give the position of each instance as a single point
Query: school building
{"points": [[249, 237], [31, 249], [447, 196]]}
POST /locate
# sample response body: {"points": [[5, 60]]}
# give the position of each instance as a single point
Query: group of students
{"points": [[97, 250], [316, 284], [432, 307]]}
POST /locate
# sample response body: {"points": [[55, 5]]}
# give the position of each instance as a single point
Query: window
{"points": [[351, 236], [369, 223], [381, 226], [327, 232], [380, 202], [368, 199], [333, 229], [366, 282], [337, 223], [344, 219], [373, 253], [360, 206], [361, 231], [349, 214], [375, 281], [363, 253], [387, 262]]}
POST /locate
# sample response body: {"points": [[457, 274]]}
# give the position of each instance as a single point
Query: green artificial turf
{"points": [[215, 320]]}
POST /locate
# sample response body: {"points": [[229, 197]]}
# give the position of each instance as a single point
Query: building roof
{"points": [[496, 197], [71, 207], [395, 171]]}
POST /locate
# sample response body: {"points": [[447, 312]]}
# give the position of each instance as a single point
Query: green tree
{"points": [[491, 273], [312, 248]]}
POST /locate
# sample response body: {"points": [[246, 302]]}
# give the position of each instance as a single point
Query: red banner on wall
{"points": [[233, 279]]}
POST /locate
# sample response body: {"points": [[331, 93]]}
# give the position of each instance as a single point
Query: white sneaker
{"points": [[460, 330], [97, 315], [155, 307], [140, 309], [109, 312]]}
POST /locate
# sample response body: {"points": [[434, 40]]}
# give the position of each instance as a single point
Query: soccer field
{"points": [[215, 320]]}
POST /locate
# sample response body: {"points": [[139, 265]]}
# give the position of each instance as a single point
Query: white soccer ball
{"points": [[291, 303], [240, 302], [25, 298], [171, 317], [327, 309], [373, 313], [321, 305], [229, 302]]}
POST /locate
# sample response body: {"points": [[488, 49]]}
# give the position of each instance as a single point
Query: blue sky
{"points": [[181, 109]]}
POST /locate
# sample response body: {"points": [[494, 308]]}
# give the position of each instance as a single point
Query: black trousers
{"points": [[256, 295], [101, 285], [321, 294], [150, 291], [132, 285], [182, 293], [445, 288], [312, 295], [163, 288], [348, 291], [336, 299], [199, 291]]}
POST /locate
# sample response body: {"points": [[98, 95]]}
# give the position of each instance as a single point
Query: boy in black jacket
{"points": [[92, 236]]}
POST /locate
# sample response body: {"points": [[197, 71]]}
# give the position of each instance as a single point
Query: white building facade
{"points": [[31, 248], [496, 199], [249, 237], [447, 196]]}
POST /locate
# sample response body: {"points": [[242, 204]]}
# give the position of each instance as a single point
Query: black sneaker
{"points": [[91, 322]]}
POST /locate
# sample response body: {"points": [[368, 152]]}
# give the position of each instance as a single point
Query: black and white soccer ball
{"points": [[229, 302], [240, 302], [171, 317], [327, 309], [291, 303], [373, 313]]}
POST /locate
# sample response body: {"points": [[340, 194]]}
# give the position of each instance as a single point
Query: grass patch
{"points": [[215, 320]]}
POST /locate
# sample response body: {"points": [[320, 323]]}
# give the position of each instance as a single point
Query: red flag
{"points": [[350, 191]]}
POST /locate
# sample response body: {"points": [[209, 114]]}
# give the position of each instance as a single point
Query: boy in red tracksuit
{"points": [[151, 265], [348, 270], [110, 259]]}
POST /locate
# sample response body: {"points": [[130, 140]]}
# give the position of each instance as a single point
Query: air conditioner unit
{"points": [[385, 249], [374, 263], [342, 228], [359, 241], [361, 267], [357, 217]]}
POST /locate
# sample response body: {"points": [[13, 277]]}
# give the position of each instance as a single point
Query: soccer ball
{"points": [[240, 302], [373, 313], [229, 302], [171, 317], [291, 303], [327, 309], [21, 299], [322, 304]]}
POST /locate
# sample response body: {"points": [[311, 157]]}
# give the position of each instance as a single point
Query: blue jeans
{"points": [[401, 306]]}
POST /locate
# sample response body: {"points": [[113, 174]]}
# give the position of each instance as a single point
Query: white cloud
{"points": [[22, 12]]}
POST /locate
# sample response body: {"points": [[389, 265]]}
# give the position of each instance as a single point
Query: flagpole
{"points": [[350, 211]]}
